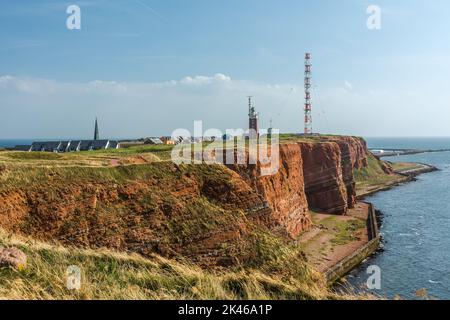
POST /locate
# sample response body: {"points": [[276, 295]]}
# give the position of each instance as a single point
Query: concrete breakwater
{"points": [[422, 168], [403, 152], [353, 260]]}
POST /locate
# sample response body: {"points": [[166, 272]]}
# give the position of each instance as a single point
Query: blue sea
{"points": [[4, 143], [409, 143], [416, 226]]}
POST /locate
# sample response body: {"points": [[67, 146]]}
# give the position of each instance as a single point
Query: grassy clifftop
{"points": [[98, 158]]}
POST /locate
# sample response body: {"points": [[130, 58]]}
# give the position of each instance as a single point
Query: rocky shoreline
{"points": [[407, 176]]}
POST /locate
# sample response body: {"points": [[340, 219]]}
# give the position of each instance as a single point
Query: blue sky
{"points": [[147, 67]]}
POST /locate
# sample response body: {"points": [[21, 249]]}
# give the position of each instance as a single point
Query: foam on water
{"points": [[416, 227]]}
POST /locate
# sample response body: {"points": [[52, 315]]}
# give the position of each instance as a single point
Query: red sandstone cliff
{"points": [[324, 184], [328, 170], [312, 175], [353, 157], [283, 191], [204, 213], [193, 210]]}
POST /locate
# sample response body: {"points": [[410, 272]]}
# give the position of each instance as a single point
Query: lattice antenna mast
{"points": [[308, 106]]}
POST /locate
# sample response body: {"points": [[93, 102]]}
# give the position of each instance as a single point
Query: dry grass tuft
{"points": [[112, 275]]}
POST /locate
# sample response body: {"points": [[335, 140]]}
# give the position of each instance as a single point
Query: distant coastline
{"points": [[6, 143]]}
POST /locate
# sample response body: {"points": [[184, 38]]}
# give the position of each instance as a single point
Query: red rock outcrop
{"points": [[324, 184], [353, 156], [355, 150], [328, 170], [189, 210], [284, 191]]}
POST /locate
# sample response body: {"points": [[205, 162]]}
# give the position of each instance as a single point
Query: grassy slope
{"points": [[373, 175], [405, 166], [110, 275]]}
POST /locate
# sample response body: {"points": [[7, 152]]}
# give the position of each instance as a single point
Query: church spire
{"points": [[96, 134]]}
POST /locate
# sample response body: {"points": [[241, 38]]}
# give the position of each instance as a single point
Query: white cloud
{"points": [[202, 80], [42, 108], [27, 85], [4, 80], [348, 85], [107, 86]]}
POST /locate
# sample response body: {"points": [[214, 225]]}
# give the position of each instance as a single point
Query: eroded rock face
{"points": [[311, 175], [13, 258], [353, 156], [284, 191], [328, 169], [354, 149], [324, 183], [386, 167]]}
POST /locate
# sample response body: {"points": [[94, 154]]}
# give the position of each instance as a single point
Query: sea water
{"points": [[8, 143], [415, 228]]}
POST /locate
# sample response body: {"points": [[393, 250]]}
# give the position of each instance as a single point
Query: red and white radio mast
{"points": [[308, 107]]}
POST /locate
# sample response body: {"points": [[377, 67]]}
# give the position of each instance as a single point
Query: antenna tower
{"points": [[308, 106]]}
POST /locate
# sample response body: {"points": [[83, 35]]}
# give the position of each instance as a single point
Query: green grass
{"points": [[33, 156], [404, 166], [372, 175], [19, 176], [293, 137], [27, 177], [85, 158], [132, 150], [200, 217], [347, 231]]}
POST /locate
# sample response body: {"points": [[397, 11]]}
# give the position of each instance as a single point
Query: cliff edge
{"points": [[211, 214]]}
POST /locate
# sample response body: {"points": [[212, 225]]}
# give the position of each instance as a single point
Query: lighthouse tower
{"points": [[253, 120]]}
